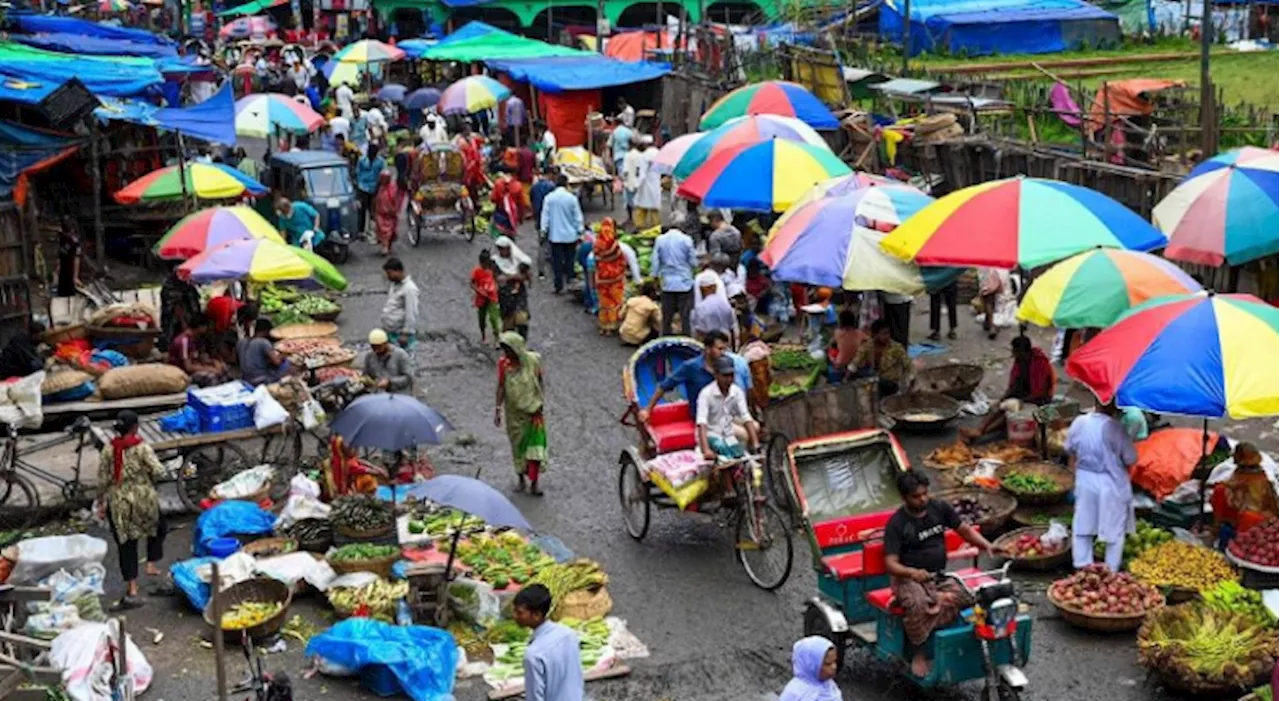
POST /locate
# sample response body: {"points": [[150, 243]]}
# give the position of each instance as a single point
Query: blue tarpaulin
{"points": [[22, 149], [95, 46], [28, 70], [211, 120], [46, 24], [588, 72], [978, 27], [421, 660]]}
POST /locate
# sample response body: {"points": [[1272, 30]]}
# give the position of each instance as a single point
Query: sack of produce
{"points": [[145, 380], [66, 386]]}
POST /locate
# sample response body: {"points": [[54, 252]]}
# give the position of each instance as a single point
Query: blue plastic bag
{"points": [[185, 579], [229, 519], [184, 420], [115, 359], [423, 659]]}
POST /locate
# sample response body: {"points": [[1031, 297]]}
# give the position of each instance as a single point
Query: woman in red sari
{"points": [[611, 277], [386, 211]]}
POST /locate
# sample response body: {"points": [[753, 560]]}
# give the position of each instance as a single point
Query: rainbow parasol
{"points": [[261, 260], [368, 51], [770, 97], [203, 180], [265, 114], [114, 6], [1019, 222], [744, 130], [472, 94], [672, 151], [1092, 289], [212, 227], [763, 177], [1198, 355]]}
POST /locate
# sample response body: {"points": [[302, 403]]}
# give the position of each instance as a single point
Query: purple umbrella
{"points": [[392, 92], [422, 98], [391, 422], [473, 497]]}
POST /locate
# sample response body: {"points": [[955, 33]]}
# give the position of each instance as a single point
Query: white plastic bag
{"points": [[292, 567], [37, 558], [1055, 536], [313, 414], [267, 412], [483, 609], [352, 580], [301, 485], [65, 587], [20, 402], [300, 508], [236, 568], [84, 656], [244, 483], [52, 621]]}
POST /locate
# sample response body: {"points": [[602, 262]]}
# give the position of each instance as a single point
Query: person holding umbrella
{"points": [[520, 397]]}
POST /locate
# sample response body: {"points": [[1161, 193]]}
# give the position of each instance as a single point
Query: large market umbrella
{"points": [[368, 51], [261, 260], [114, 6], [422, 98], [206, 181], [247, 26], [472, 94], [672, 151], [1019, 222], [1225, 211], [1204, 354], [768, 176], [212, 227], [770, 97], [338, 72], [469, 496], [390, 422], [744, 130], [392, 92], [1092, 289], [265, 114]]}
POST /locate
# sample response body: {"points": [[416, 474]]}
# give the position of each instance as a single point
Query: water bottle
{"points": [[404, 617]]}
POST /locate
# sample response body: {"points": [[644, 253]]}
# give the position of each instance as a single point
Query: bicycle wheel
{"points": [[778, 475], [633, 494], [283, 451], [414, 232], [19, 507], [203, 468], [762, 544]]}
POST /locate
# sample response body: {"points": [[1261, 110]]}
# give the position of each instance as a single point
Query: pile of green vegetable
{"points": [[358, 512], [1144, 537], [1028, 483], [286, 305], [503, 559], [310, 530], [379, 598], [1201, 649], [356, 552], [316, 305], [562, 579], [1228, 597], [642, 242], [441, 523], [593, 644]]}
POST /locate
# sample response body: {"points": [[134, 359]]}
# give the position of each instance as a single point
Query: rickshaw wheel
{"points": [[469, 228], [204, 467], [633, 495], [779, 477], [776, 534], [414, 231], [816, 624]]}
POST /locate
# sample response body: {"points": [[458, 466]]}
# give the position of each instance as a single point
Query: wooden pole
{"points": [[219, 653], [182, 172], [1208, 140], [906, 35], [99, 242]]}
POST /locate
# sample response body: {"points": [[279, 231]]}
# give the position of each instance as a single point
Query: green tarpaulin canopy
{"points": [[496, 45], [252, 7]]}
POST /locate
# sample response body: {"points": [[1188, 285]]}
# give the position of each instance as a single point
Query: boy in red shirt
{"points": [[485, 288]]}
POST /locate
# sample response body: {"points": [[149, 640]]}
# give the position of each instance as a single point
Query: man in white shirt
{"points": [[345, 97], [632, 172], [722, 416], [648, 200], [433, 132], [626, 113], [376, 123]]}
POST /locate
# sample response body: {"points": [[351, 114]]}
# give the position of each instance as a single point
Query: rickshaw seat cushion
{"points": [[883, 599], [671, 428], [845, 565]]}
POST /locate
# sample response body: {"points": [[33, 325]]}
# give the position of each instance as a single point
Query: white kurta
{"points": [[649, 196], [1104, 494]]}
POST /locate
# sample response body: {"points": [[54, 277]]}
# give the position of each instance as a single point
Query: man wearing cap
{"points": [[387, 365], [713, 312], [432, 131], [722, 416]]}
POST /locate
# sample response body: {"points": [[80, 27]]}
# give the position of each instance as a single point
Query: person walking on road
{"points": [[368, 170], [648, 199], [813, 670], [128, 470], [562, 221], [552, 662], [386, 211], [611, 278], [1101, 454], [400, 311], [520, 398], [946, 295], [674, 262]]}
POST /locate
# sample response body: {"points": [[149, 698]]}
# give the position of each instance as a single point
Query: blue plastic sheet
{"points": [[211, 120], [80, 44], [589, 72], [188, 582], [423, 659], [979, 27], [228, 519], [25, 148], [184, 420], [48, 24]]}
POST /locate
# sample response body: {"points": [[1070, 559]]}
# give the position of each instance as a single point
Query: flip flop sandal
{"points": [[126, 604]]}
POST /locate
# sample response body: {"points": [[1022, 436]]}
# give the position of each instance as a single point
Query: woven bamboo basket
{"points": [[319, 330], [585, 604], [261, 589], [1042, 563], [955, 380], [1002, 505], [270, 547], [289, 346], [380, 566], [1100, 622], [1062, 477], [359, 535]]}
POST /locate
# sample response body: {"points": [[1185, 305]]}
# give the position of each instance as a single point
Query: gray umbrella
{"points": [[390, 422]]}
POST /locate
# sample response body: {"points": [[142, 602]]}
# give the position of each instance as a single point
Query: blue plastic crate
{"points": [[380, 680], [216, 418]]}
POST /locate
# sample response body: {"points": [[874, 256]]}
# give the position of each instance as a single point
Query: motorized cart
{"points": [[845, 485], [441, 199], [664, 468]]}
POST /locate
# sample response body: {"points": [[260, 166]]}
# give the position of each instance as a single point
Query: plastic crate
{"points": [[380, 680], [220, 417]]}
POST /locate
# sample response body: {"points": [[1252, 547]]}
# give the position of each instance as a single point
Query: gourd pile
{"points": [[286, 305], [503, 559], [1203, 649], [378, 598], [1028, 483], [357, 552], [593, 644], [642, 242], [1181, 565]]}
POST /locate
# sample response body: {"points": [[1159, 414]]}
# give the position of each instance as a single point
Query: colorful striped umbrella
{"points": [[762, 177], [1092, 289], [206, 181], [212, 227], [472, 94], [770, 97], [261, 260], [1225, 211], [368, 51], [843, 186], [265, 114], [744, 130], [834, 242], [1019, 222], [1198, 355], [114, 6], [672, 151], [248, 26]]}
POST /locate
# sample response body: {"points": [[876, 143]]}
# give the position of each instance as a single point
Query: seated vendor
{"points": [[387, 364], [1031, 381], [299, 223], [883, 358], [696, 373], [1247, 498], [189, 350], [722, 416], [915, 551], [260, 362]]}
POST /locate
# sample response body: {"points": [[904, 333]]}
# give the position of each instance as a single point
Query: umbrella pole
{"points": [[1203, 470], [182, 172], [453, 547]]}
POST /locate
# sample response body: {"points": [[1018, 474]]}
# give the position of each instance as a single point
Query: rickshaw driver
{"points": [[722, 416], [915, 552], [695, 374], [297, 220]]}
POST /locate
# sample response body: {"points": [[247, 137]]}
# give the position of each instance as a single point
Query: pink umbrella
{"points": [[672, 151]]}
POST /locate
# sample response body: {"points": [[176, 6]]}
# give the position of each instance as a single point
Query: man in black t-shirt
{"points": [[915, 551]]}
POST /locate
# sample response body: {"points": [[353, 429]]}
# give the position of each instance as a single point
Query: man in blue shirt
{"points": [[561, 221], [696, 373], [368, 169], [620, 140], [674, 261], [543, 185], [295, 219], [552, 662]]}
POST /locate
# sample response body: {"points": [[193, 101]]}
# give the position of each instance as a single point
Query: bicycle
{"points": [[19, 498]]}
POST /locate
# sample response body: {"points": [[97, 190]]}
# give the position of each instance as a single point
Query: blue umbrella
{"points": [[422, 98], [392, 92], [473, 497], [389, 422]]}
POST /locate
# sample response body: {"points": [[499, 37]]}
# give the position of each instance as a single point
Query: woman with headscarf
{"points": [[386, 211], [813, 668], [513, 267], [611, 277], [520, 398], [127, 472]]}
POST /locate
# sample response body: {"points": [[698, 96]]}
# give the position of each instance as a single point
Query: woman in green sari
{"points": [[520, 398]]}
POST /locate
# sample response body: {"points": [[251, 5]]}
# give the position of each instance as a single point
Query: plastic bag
{"points": [[480, 607], [300, 508], [186, 577], [293, 567], [52, 621], [38, 558], [267, 412], [228, 519], [20, 402], [313, 414], [65, 587], [301, 485], [83, 654], [1055, 536], [244, 483], [184, 420], [352, 580], [422, 659]]}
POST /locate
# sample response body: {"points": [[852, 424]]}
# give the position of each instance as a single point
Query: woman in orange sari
{"points": [[611, 277]]}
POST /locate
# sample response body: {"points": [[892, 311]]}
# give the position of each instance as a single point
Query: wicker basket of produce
{"points": [[319, 330], [950, 456], [1042, 515], [63, 334], [956, 380], [987, 509], [1029, 553], [920, 411], [270, 547], [314, 535], [256, 606], [318, 308], [330, 357], [1181, 569], [585, 604], [1036, 483], [1082, 600], [364, 557], [361, 518], [1205, 651], [304, 345], [328, 316]]}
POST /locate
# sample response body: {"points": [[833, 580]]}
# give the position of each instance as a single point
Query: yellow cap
{"points": [[377, 337]]}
